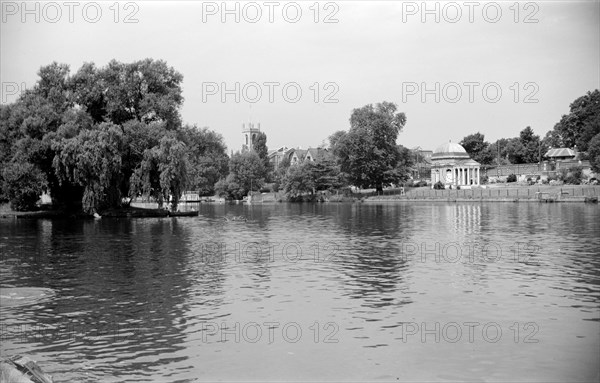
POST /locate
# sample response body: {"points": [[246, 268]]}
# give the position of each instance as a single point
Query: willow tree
{"points": [[162, 173], [92, 159]]}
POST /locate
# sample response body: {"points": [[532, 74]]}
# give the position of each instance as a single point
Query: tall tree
{"points": [[84, 136], [368, 153], [533, 148], [580, 125], [477, 147], [259, 145]]}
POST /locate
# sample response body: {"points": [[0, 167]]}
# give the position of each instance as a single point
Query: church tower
{"points": [[249, 132]]}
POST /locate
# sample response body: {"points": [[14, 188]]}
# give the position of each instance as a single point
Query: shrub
{"points": [[511, 178], [484, 179], [574, 175], [439, 185], [421, 184]]}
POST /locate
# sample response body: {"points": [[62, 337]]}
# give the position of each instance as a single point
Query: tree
{"points": [[312, 176], [580, 125], [207, 156], [104, 134], [477, 148], [259, 145], [532, 146], [334, 140], [368, 152], [499, 151], [594, 153], [23, 183], [92, 160], [163, 172], [246, 173]]}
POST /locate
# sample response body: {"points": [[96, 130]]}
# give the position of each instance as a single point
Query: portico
{"points": [[452, 165]]}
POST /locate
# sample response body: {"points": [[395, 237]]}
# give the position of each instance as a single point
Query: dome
{"points": [[449, 150]]}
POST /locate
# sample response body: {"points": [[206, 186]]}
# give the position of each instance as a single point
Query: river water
{"points": [[378, 292]]}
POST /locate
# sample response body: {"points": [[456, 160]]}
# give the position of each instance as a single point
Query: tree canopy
{"points": [[104, 134], [579, 126], [368, 152]]}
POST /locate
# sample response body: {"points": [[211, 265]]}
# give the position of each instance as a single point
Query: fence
{"points": [[500, 192]]}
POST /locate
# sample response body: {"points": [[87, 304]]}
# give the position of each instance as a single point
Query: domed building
{"points": [[451, 164]]}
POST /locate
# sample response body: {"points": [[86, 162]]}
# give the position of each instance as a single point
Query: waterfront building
{"points": [[452, 165]]}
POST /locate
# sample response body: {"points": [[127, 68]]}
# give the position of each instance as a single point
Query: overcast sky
{"points": [[539, 55]]}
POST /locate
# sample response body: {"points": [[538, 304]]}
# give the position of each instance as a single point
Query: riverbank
{"points": [[128, 212], [499, 193]]}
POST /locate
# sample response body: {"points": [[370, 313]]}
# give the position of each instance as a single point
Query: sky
{"points": [[300, 68]]}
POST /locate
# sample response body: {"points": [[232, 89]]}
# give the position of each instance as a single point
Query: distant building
{"points": [[249, 132], [297, 156], [277, 155], [451, 164]]}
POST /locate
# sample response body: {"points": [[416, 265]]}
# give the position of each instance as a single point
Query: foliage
{"points": [[107, 133], [246, 172], [477, 148], [368, 153], [311, 177], [259, 145], [163, 172], [572, 175], [511, 178], [208, 158], [92, 159], [579, 126], [439, 185], [23, 183], [594, 153], [527, 148]]}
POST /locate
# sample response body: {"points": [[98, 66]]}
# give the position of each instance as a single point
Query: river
{"points": [[373, 291]]}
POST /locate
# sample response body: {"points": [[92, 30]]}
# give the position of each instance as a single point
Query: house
{"points": [[298, 156]]}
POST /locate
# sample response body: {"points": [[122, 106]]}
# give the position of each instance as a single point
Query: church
{"points": [[452, 166]]}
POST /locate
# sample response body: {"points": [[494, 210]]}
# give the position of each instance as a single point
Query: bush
{"points": [[484, 179], [439, 186], [511, 178], [23, 183], [421, 184], [574, 175]]}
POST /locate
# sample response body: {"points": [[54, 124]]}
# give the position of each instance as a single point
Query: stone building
{"points": [[452, 165]]}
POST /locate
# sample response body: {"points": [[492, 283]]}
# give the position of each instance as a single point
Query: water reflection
{"points": [[135, 298]]}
